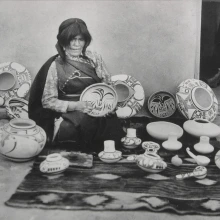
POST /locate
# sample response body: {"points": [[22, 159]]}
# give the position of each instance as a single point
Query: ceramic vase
{"points": [[21, 139], [110, 155], [131, 141], [172, 143], [204, 147]]}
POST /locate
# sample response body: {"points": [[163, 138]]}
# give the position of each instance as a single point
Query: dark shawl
{"points": [[43, 117]]}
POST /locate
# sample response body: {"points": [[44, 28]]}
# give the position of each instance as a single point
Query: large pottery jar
{"points": [[21, 139]]}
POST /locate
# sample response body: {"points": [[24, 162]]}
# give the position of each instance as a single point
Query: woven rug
{"points": [[122, 186]]}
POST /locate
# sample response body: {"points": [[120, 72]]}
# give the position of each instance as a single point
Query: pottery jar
{"points": [[204, 147], [150, 161], [21, 139], [172, 143], [131, 141]]}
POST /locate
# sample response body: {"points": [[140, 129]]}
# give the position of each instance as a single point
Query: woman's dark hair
{"points": [[68, 30]]}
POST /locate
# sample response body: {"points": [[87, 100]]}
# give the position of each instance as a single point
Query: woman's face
{"points": [[76, 46]]}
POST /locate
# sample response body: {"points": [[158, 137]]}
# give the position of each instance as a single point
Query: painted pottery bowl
{"points": [[130, 95], [196, 100], [162, 104], [102, 97], [54, 164], [161, 129], [21, 139], [201, 127], [15, 81], [17, 107], [150, 161], [130, 141]]}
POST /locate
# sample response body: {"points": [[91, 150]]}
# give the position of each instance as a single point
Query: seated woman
{"points": [[55, 92]]}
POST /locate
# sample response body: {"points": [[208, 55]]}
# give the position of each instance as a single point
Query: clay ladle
{"points": [[200, 160]]}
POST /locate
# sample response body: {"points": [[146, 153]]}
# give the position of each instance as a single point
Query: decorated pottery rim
{"points": [[157, 93], [22, 123], [109, 153], [187, 90], [114, 104]]}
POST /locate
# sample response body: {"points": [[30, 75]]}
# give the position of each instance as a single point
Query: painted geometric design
{"points": [[206, 182], [191, 105]]}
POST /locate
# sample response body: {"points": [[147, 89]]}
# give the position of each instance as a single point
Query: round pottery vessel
{"points": [[161, 129], [204, 147], [196, 100], [162, 104], [21, 139], [130, 93], [130, 141], [150, 161], [201, 127], [54, 164], [110, 155], [172, 143]]}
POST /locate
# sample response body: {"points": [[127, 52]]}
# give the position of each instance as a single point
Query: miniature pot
{"points": [[130, 141], [204, 146], [21, 139]]}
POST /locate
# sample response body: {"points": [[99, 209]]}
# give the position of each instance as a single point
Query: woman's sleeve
{"points": [[50, 95], [101, 69]]}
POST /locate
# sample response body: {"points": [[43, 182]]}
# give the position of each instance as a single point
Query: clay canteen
{"points": [[150, 161], [110, 155], [54, 164], [21, 139], [131, 141]]}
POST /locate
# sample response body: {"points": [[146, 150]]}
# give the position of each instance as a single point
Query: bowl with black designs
{"points": [[102, 97], [162, 104]]}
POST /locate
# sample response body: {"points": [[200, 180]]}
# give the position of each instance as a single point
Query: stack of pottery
{"points": [[131, 141], [110, 155], [21, 139]]}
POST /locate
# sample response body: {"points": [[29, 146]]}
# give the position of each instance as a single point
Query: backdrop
{"points": [[158, 42]]}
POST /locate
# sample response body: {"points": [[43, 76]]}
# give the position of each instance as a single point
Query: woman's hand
{"points": [[81, 106]]}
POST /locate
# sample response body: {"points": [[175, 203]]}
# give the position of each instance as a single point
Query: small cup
{"points": [[109, 146]]}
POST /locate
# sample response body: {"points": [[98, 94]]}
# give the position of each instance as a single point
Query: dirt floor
{"points": [[11, 174]]}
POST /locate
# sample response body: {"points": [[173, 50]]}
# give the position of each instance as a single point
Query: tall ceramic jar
{"points": [[21, 139]]}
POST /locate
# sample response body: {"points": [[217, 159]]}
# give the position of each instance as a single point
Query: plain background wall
{"points": [[158, 42]]}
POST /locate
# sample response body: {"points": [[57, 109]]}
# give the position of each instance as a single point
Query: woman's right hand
{"points": [[81, 106]]}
